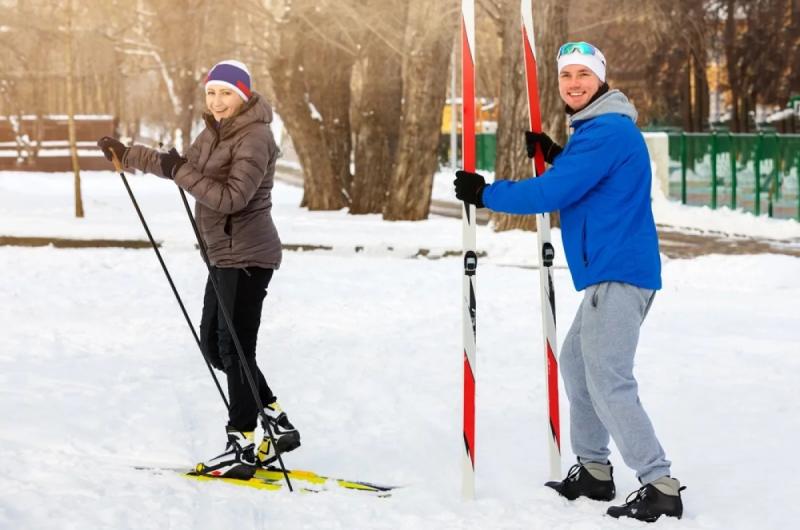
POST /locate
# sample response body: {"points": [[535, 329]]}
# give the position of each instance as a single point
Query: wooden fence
{"points": [[40, 143]]}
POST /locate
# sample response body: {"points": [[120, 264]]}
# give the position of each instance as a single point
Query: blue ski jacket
{"points": [[601, 184]]}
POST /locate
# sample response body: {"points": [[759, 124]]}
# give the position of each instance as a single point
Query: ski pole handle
{"points": [[117, 163]]}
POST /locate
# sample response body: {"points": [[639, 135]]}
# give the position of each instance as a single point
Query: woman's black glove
{"points": [[469, 187], [550, 149], [171, 162], [111, 145]]}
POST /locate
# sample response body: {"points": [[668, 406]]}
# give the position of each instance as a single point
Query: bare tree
{"points": [[428, 41], [328, 70], [360, 83], [682, 35], [754, 56], [73, 146], [512, 161], [171, 37], [551, 33], [378, 110], [309, 65]]}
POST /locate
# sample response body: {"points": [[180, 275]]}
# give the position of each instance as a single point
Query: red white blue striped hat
{"points": [[231, 74]]}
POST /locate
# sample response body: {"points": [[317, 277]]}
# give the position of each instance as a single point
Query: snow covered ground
{"points": [[98, 374]]}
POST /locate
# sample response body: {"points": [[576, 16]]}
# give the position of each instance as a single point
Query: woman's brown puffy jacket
{"points": [[229, 173]]}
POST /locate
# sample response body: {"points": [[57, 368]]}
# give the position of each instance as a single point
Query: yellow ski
{"points": [[272, 479]]}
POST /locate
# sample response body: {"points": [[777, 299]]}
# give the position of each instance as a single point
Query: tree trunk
{"points": [[512, 160], [328, 70], [428, 40], [701, 90], [731, 59], [551, 33], [322, 185], [379, 114], [688, 94], [187, 93], [73, 146]]}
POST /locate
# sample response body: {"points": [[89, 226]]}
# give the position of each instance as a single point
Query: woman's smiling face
{"points": [[222, 101]]}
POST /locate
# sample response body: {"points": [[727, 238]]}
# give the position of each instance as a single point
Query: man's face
{"points": [[577, 84]]}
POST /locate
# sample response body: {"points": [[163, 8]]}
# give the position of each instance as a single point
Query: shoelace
{"points": [[573, 473], [638, 495]]}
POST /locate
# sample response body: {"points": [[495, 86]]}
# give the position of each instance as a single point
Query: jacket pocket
{"points": [[595, 296], [583, 245]]}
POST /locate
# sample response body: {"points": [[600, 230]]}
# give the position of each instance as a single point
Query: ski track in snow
{"points": [[98, 373]]}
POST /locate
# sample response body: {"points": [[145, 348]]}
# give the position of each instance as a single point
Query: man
{"points": [[600, 181]]}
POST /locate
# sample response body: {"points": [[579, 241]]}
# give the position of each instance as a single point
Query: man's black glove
{"points": [[550, 149], [111, 145], [171, 162], [469, 187]]}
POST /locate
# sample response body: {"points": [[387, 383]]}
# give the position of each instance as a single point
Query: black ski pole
{"points": [[118, 166], [235, 336]]}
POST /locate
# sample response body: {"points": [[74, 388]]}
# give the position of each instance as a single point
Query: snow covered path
{"points": [[98, 373]]}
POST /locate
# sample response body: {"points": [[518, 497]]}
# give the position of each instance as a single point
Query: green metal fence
{"points": [[755, 172], [485, 150]]}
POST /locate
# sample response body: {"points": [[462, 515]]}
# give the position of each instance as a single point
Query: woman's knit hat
{"points": [[231, 74]]}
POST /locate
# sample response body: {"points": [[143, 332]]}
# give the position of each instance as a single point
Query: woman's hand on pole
{"points": [[112, 148]]}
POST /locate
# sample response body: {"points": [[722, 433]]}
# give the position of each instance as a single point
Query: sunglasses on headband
{"points": [[584, 48]]}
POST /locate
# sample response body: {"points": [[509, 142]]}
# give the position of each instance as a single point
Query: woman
{"points": [[229, 171], [600, 182]]}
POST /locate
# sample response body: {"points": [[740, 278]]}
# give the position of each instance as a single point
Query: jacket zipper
{"points": [[583, 245]]}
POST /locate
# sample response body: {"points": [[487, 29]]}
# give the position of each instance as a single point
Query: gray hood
{"points": [[612, 102]]}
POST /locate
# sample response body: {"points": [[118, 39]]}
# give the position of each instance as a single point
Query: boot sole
{"points": [[557, 485], [288, 442], [239, 472], [652, 519]]}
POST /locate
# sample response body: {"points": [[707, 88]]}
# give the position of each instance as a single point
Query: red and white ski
{"points": [[546, 251], [468, 231]]}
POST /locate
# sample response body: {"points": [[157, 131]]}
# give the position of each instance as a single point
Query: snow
{"points": [[98, 373], [783, 114], [315, 114]]}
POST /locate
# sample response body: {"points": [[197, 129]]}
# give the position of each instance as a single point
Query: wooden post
{"points": [[73, 145]]}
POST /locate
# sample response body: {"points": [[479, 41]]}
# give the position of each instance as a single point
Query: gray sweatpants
{"points": [[597, 366]]}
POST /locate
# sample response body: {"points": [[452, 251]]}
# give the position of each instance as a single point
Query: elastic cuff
{"points": [[655, 474], [479, 203], [553, 152], [175, 169]]}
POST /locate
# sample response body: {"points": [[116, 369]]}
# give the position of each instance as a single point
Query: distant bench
{"points": [[31, 144]]}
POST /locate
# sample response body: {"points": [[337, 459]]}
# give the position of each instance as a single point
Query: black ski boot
{"points": [[238, 460], [592, 480], [286, 436], [651, 501]]}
